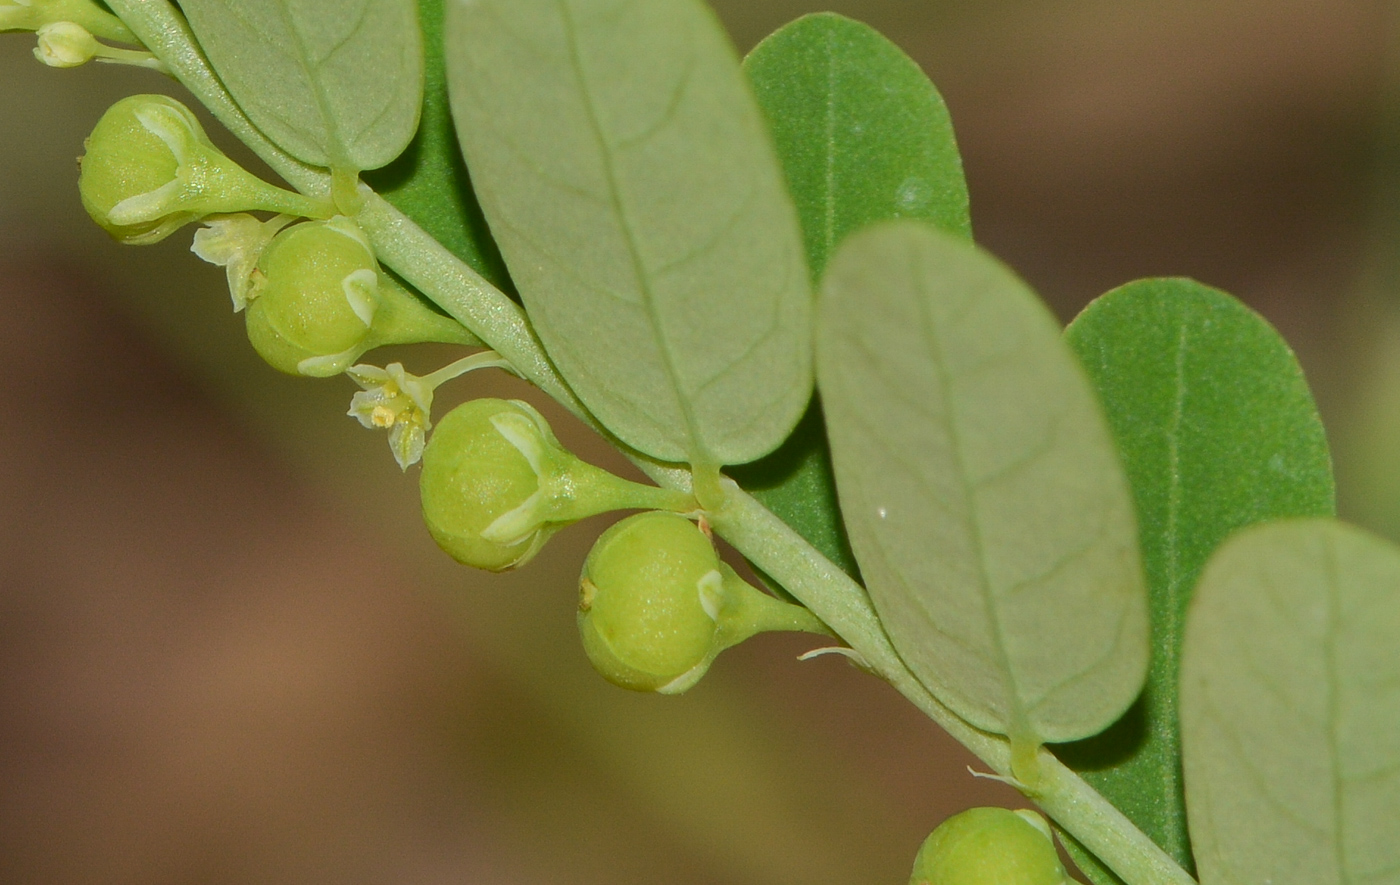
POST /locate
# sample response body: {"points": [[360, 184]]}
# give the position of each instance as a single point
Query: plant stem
{"points": [[754, 531], [844, 605]]}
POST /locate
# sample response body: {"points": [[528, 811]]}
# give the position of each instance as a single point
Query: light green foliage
{"points": [[981, 489], [497, 484], [1217, 430], [989, 846], [863, 136], [1290, 708], [629, 181], [628, 174], [656, 605], [318, 302], [334, 83], [149, 170], [429, 181]]}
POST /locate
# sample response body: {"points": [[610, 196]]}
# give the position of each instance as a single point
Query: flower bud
{"points": [[496, 485], [65, 45], [150, 169], [990, 846], [656, 605], [318, 301]]}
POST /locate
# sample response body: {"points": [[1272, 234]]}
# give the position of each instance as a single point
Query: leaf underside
{"points": [[334, 83], [1217, 430], [980, 487], [429, 182], [1290, 708], [863, 136], [628, 179]]}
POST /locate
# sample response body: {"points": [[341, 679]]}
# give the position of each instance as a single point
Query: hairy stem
{"points": [[754, 531]]}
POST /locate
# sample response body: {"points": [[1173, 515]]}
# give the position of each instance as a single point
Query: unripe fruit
{"points": [[649, 601], [473, 474], [657, 605], [318, 301], [496, 485], [317, 294], [150, 169], [989, 846]]}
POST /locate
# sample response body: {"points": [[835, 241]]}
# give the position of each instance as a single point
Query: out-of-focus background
{"points": [[229, 653]]}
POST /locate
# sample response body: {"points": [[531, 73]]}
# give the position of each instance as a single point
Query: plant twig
{"points": [[753, 530]]}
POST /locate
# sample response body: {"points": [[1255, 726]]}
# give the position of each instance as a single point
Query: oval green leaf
{"points": [[628, 178], [1217, 430], [980, 486], [429, 182], [862, 133], [863, 136], [334, 83], [1290, 708]]}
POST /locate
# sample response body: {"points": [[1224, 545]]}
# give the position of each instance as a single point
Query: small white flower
{"points": [[236, 242], [393, 399], [401, 403]]}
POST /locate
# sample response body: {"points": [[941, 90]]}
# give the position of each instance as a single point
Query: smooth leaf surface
{"points": [[1290, 708], [1217, 430], [983, 496], [334, 83], [862, 133], [628, 178], [863, 136], [429, 181]]}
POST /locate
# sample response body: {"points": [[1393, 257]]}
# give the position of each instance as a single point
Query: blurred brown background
{"points": [[230, 654]]}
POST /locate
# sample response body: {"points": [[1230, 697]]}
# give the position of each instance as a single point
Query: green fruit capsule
{"points": [[496, 485], [657, 605], [318, 301], [150, 169], [990, 846]]}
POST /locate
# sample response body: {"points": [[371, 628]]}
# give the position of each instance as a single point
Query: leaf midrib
{"points": [[695, 449], [1171, 707], [337, 157], [1329, 648], [1019, 726], [829, 197]]}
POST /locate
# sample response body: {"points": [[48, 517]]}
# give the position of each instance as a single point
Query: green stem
{"points": [[487, 359], [134, 57], [843, 604], [754, 531]]}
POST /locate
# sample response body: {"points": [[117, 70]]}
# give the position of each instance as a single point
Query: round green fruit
{"points": [[989, 846], [650, 601]]}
